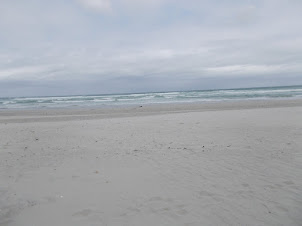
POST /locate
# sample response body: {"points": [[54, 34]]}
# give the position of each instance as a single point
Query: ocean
{"points": [[107, 100]]}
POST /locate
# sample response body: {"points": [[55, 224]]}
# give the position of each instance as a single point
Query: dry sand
{"points": [[195, 164]]}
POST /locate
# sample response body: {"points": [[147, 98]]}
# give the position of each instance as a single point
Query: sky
{"points": [[64, 47]]}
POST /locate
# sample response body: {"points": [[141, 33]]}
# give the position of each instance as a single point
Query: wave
{"points": [[150, 98]]}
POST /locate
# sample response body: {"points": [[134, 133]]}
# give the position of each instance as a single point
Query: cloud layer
{"points": [[101, 46], [102, 6]]}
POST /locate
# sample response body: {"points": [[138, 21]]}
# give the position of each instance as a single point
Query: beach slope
{"points": [[215, 164]]}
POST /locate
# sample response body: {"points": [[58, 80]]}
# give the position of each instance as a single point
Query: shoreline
{"points": [[150, 98], [67, 114]]}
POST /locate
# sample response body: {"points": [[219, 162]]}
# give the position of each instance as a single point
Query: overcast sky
{"points": [[62, 47]]}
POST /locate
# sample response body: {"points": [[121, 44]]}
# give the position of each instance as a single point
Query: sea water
{"points": [[103, 100]]}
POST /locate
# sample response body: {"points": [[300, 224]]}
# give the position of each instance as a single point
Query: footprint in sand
{"points": [[83, 213], [165, 206], [288, 182], [158, 205]]}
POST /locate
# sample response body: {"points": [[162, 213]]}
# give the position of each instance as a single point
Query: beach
{"points": [[224, 163]]}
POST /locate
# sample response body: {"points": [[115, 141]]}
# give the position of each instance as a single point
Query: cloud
{"points": [[243, 70], [35, 72], [97, 5], [148, 44], [141, 4]]}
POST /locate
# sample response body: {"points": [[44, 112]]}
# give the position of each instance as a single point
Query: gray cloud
{"points": [[104, 46], [103, 6]]}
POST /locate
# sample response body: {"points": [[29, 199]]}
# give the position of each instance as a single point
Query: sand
{"points": [[234, 163]]}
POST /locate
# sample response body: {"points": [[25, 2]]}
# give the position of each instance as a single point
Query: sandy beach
{"points": [[231, 163]]}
